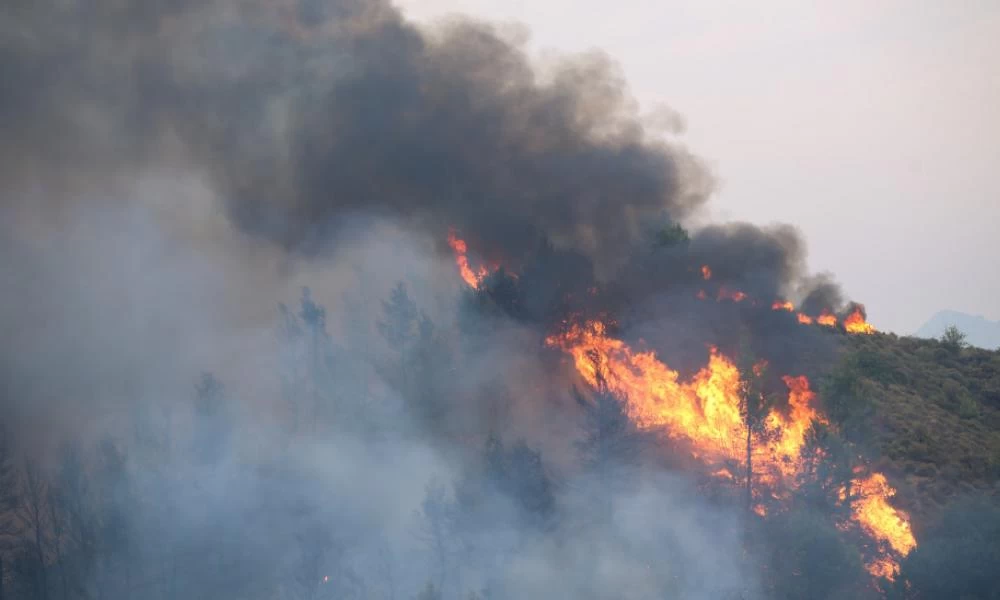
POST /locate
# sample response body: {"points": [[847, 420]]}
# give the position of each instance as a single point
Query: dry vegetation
{"points": [[936, 416]]}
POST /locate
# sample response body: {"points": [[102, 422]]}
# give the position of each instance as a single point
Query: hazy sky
{"points": [[872, 126]]}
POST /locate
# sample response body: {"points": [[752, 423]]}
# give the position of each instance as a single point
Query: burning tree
{"points": [[755, 406]]}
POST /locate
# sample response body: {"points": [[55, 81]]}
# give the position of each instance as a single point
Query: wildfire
{"points": [[880, 520], [855, 323], [461, 249], [828, 319], [794, 425], [734, 295], [704, 411]]}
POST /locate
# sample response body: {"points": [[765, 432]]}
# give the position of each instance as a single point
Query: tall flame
{"points": [[461, 249], [887, 525], [704, 410]]}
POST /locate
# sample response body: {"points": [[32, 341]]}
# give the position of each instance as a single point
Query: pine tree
{"points": [[437, 527], [611, 446], [400, 318], [307, 364], [423, 362], [755, 405]]}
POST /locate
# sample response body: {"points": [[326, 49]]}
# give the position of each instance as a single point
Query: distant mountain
{"points": [[980, 331]]}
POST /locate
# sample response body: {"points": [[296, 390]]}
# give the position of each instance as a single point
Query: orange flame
{"points": [[828, 319], [706, 273], [884, 523], [734, 295], [855, 323], [704, 411], [460, 248], [883, 566]]}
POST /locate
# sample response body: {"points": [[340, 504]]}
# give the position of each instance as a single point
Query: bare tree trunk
{"points": [[33, 516], [315, 380], [54, 506], [749, 490], [62, 572], [40, 557]]}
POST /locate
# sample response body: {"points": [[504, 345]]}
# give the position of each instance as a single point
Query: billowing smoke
{"points": [[303, 114], [172, 172]]}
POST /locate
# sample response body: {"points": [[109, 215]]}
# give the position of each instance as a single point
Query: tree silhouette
{"points": [[755, 405], [611, 446]]}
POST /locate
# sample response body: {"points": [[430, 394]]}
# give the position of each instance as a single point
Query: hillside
{"points": [[979, 330], [936, 423]]}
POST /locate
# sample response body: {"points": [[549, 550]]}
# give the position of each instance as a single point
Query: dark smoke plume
{"points": [[304, 114], [316, 111]]}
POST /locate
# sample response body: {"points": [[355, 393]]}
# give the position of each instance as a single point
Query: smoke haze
{"points": [[173, 172]]}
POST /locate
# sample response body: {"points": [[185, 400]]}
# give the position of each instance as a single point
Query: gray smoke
{"points": [[172, 171]]}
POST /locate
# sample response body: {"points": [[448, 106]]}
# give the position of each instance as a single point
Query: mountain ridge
{"points": [[979, 330]]}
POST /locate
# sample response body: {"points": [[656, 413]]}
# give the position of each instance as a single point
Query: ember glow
{"points": [[734, 295], [855, 323], [783, 305], [461, 249], [706, 272]]}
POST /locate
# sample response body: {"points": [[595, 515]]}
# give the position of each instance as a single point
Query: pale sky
{"points": [[873, 126]]}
